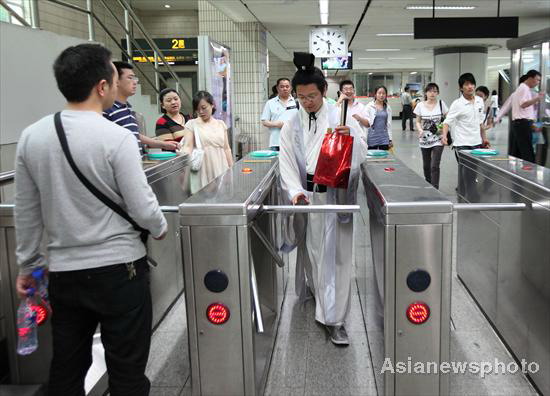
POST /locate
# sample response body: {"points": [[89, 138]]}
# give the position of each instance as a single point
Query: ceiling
{"points": [[288, 23]]}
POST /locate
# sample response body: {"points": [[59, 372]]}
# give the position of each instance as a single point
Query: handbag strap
{"points": [[198, 143], [441, 110], [98, 194]]}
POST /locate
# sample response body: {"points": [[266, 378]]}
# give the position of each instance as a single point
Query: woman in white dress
{"points": [[210, 134]]}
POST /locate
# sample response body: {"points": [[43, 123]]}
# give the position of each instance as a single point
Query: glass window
{"points": [[530, 59], [20, 7]]}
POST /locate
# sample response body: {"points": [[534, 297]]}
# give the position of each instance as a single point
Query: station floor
{"points": [[305, 362]]}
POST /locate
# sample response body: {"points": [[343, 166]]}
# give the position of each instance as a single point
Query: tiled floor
{"points": [[305, 362]]}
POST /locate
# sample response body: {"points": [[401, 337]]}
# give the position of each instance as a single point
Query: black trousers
{"points": [[407, 115], [462, 188], [431, 158], [522, 144], [121, 306]]}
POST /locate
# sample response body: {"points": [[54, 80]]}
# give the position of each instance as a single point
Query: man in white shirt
{"points": [[465, 117], [406, 102], [277, 110], [355, 109], [523, 115]]}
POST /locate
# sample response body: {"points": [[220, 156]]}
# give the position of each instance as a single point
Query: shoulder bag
{"points": [[197, 154], [144, 234]]}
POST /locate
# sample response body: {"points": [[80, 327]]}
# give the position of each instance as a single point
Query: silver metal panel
{"points": [[389, 246], [401, 190], [419, 247], [504, 260], [232, 192], [217, 342]]}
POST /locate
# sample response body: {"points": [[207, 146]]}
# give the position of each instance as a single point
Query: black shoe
{"points": [[338, 335]]}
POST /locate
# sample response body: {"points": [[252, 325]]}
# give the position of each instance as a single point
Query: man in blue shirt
{"points": [[278, 110], [121, 112]]}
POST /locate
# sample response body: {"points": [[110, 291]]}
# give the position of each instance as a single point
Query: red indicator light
{"points": [[527, 167], [217, 313], [247, 170], [41, 314], [389, 169], [418, 312]]}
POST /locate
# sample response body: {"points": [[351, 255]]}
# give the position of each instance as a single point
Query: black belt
{"points": [[521, 120], [321, 188]]}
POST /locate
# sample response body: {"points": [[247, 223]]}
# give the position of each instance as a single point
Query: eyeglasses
{"points": [[309, 98], [133, 78]]}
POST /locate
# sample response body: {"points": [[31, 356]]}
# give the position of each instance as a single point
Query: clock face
{"points": [[327, 42]]}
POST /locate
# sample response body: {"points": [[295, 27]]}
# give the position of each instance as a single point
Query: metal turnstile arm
{"points": [[490, 207], [256, 300], [310, 208], [267, 244]]}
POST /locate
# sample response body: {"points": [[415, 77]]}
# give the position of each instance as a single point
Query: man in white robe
{"points": [[324, 263]]}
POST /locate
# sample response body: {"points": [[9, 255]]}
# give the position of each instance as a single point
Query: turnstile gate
{"points": [[503, 258], [411, 238], [234, 280]]}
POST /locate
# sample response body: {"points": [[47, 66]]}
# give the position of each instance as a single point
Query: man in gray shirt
{"points": [[407, 114], [98, 270]]}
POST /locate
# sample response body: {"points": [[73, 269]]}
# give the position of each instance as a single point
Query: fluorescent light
{"points": [[382, 49], [395, 34], [498, 57], [323, 11], [167, 6], [401, 58], [440, 7], [502, 65], [372, 58], [370, 74], [323, 6], [413, 72]]}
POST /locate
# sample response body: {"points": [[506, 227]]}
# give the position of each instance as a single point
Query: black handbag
{"points": [[143, 233]]}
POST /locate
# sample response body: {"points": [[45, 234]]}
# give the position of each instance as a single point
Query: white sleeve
{"points": [[452, 114], [288, 166]]}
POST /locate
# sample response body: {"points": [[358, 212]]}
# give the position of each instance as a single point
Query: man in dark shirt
{"points": [[121, 112]]}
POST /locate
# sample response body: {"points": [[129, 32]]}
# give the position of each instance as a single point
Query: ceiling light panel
{"points": [[440, 7]]}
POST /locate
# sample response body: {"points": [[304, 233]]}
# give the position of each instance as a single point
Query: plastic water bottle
{"points": [[41, 279], [27, 340]]}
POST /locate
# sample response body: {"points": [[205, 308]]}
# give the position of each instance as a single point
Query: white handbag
{"points": [[197, 154]]}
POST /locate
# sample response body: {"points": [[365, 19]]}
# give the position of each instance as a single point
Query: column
{"points": [[248, 44], [451, 62]]}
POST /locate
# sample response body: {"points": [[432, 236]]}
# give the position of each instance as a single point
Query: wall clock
{"points": [[328, 41]]}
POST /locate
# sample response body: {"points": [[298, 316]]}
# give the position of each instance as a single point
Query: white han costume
{"points": [[325, 259]]}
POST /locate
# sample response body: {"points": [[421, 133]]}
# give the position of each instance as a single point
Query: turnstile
{"points": [[411, 237], [503, 257], [234, 279]]}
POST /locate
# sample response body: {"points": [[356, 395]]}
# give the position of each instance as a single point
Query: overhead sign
{"points": [[176, 51], [466, 28]]}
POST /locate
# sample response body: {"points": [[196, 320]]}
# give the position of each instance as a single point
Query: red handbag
{"points": [[334, 163]]}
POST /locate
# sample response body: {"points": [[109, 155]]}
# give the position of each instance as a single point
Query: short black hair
{"points": [[466, 77], [494, 92], [80, 68], [310, 76], [122, 65], [532, 73], [484, 89], [206, 96], [281, 79], [406, 88], [346, 82], [163, 93]]}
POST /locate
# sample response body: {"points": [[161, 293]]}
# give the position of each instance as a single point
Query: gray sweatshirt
{"points": [[81, 231]]}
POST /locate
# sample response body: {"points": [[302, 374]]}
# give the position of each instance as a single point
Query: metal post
{"points": [[91, 30], [127, 27], [35, 17], [157, 79]]}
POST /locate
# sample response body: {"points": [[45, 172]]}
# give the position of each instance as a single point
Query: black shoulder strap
{"points": [[99, 195]]}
